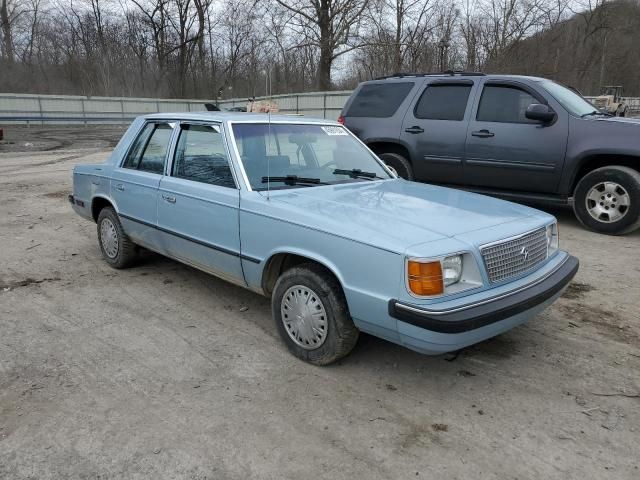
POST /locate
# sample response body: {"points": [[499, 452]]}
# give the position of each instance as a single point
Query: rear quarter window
{"points": [[379, 99]]}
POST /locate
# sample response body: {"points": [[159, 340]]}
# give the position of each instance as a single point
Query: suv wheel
{"points": [[312, 316], [607, 200], [117, 248], [398, 163]]}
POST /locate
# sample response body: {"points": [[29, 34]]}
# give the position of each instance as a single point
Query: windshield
{"points": [[574, 103], [295, 155]]}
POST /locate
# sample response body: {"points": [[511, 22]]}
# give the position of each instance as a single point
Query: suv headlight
{"points": [[427, 277], [553, 239]]}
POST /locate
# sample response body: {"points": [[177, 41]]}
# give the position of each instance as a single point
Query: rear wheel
{"points": [[398, 163], [117, 248], [312, 316], [607, 200]]}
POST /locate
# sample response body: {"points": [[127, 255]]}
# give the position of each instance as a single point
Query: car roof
{"points": [[489, 76], [238, 117]]}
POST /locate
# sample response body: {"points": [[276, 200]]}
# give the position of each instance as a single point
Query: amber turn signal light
{"points": [[425, 278]]}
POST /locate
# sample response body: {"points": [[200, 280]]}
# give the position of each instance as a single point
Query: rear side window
{"points": [[443, 102], [201, 156], [149, 151], [505, 104], [379, 100]]}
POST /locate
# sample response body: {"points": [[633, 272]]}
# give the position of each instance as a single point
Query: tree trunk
{"points": [[326, 50], [6, 31]]}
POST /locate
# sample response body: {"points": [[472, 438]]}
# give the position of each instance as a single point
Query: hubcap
{"points": [[109, 238], [608, 202], [304, 317]]}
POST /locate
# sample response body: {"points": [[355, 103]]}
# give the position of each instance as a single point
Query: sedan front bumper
{"points": [[476, 315]]}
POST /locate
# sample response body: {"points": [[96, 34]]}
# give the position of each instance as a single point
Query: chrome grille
{"points": [[515, 256]]}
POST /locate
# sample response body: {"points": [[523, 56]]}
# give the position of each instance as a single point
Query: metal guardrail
{"points": [[41, 109], [60, 109]]}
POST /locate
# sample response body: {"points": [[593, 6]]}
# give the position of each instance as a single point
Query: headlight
{"points": [[452, 270], [445, 275], [553, 239]]}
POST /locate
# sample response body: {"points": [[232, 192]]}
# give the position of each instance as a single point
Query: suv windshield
{"points": [[303, 155], [574, 103]]}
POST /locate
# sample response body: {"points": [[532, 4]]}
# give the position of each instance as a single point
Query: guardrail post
{"points": [[122, 109], [297, 104], [84, 113], [324, 105], [41, 114]]}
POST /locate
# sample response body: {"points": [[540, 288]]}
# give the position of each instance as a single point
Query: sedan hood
{"points": [[395, 214]]}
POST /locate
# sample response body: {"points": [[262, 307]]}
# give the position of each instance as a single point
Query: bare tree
{"points": [[330, 25]]}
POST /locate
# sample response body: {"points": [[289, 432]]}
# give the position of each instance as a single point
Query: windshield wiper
{"points": [[356, 173], [596, 112], [294, 180]]}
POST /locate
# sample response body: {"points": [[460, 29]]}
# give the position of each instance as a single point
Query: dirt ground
{"points": [[162, 371]]}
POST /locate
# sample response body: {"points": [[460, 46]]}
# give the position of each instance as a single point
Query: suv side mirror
{"points": [[540, 113]]}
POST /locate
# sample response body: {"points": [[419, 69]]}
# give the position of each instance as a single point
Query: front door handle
{"points": [[415, 129], [120, 187], [483, 133], [169, 198]]}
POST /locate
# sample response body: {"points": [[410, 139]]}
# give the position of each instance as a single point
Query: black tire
{"points": [[629, 180], [125, 252], [400, 164], [341, 335]]}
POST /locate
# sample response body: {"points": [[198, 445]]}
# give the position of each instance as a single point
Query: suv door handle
{"points": [[414, 129], [483, 133], [120, 187], [169, 198]]}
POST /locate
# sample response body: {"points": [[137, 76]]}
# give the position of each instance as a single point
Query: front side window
{"points": [[201, 156], [443, 102], [308, 155], [149, 151], [379, 100], [505, 104]]}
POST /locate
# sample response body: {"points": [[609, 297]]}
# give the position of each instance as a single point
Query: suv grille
{"points": [[513, 257]]}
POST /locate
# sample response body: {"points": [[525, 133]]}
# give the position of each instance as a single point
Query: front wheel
{"points": [[312, 316], [398, 163], [607, 200]]}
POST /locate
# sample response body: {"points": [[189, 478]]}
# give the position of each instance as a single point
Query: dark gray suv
{"points": [[522, 138]]}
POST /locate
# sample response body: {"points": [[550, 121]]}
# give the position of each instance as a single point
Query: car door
{"points": [[505, 150], [198, 203], [434, 131], [134, 184]]}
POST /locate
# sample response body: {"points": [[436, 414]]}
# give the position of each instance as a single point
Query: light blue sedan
{"points": [[301, 211]]}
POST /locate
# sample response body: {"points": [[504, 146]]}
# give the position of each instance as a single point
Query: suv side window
{"points": [[201, 156], [443, 102], [149, 151], [505, 104], [379, 100]]}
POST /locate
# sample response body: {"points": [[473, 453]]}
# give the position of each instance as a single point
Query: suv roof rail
{"points": [[426, 74]]}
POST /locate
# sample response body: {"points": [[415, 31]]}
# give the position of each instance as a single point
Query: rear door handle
{"points": [[169, 198], [415, 129], [483, 134], [120, 187]]}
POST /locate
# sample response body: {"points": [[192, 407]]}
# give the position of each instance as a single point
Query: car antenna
{"points": [[267, 92]]}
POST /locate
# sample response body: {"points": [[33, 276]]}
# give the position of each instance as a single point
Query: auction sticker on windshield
{"points": [[334, 131]]}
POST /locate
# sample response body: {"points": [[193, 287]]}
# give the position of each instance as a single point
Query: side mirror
{"points": [[540, 113]]}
